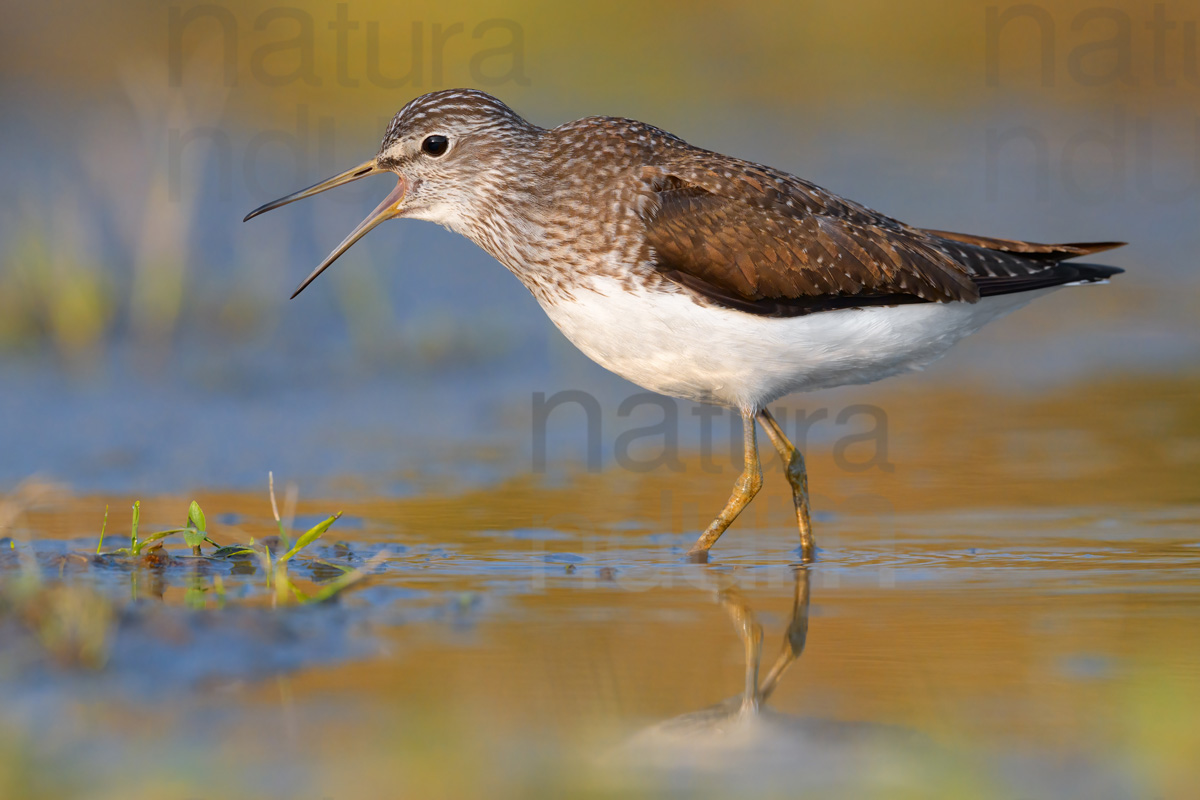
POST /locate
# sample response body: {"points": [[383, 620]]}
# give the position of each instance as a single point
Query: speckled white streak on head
{"points": [[571, 211], [548, 204], [460, 187]]}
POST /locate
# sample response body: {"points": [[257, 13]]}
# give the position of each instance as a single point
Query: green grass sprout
{"points": [[309, 536], [137, 515], [103, 525], [194, 534], [154, 537], [274, 565], [283, 534], [196, 516]]}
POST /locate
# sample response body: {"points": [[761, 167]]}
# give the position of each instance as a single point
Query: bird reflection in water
{"points": [[744, 713], [743, 736]]}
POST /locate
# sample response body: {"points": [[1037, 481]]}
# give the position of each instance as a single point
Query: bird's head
{"points": [[449, 150]]}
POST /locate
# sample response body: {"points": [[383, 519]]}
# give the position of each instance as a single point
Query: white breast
{"points": [[670, 344]]}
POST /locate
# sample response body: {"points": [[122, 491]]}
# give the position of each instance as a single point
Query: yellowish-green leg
{"points": [[797, 475], [793, 638], [744, 489], [751, 633], [755, 694]]}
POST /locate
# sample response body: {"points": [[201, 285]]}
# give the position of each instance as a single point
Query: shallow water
{"points": [[1005, 603], [977, 625]]}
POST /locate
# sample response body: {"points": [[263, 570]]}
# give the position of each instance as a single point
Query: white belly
{"points": [[672, 345]]}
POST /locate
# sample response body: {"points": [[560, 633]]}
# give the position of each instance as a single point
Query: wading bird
{"points": [[694, 274]]}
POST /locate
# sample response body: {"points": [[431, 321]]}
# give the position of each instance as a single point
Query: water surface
{"points": [[975, 626]]}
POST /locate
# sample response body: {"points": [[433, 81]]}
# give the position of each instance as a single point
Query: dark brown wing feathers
{"points": [[765, 236], [766, 242], [1053, 252]]}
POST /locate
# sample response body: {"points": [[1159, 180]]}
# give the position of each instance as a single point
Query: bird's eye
{"points": [[435, 145]]}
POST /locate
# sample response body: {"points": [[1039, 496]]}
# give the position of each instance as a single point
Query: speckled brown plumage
{"points": [[695, 274], [769, 243], [611, 195]]}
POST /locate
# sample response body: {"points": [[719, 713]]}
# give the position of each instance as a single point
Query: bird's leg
{"points": [[797, 475], [751, 633], [793, 638], [744, 489]]}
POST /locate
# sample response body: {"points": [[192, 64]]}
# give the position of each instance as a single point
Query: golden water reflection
{"points": [[1013, 622], [967, 655]]}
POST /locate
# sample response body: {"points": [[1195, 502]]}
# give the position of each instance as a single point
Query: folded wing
{"points": [[765, 242]]}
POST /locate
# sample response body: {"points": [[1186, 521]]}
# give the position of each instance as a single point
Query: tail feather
{"points": [[1034, 250], [1055, 275]]}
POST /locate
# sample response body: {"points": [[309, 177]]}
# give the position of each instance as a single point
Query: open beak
{"points": [[390, 207]]}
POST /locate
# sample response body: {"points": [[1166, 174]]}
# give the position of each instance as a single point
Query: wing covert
{"points": [[768, 242]]}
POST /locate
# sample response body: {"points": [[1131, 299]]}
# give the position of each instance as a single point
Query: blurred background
{"points": [[1009, 560], [146, 339]]}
